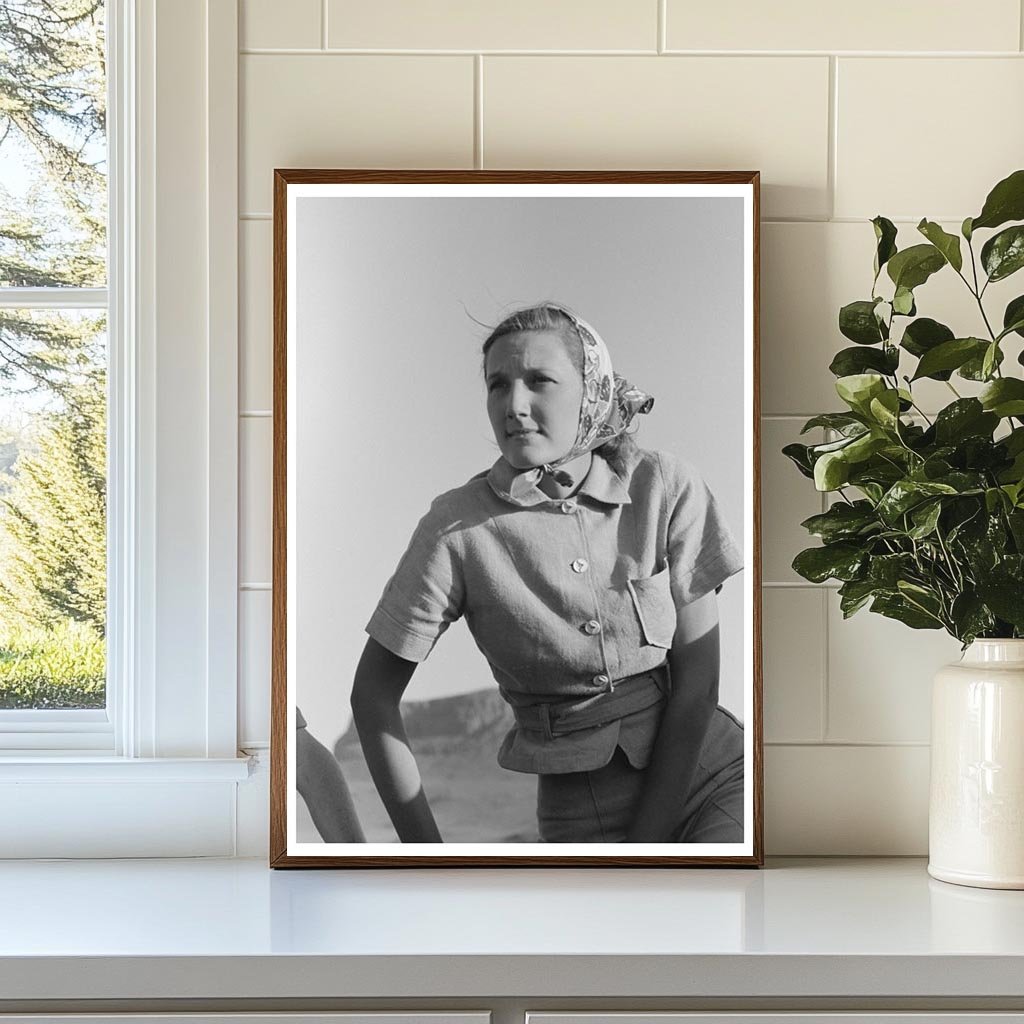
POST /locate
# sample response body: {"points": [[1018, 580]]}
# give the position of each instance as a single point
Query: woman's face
{"points": [[534, 394]]}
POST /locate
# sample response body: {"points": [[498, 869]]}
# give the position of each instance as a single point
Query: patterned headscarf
{"points": [[609, 401]]}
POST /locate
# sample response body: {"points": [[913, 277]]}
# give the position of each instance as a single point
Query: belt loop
{"points": [[545, 718]]}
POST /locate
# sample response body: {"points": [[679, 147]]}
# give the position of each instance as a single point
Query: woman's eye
{"points": [[494, 385]]}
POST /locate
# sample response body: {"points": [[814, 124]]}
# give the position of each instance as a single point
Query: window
{"points": [[155, 771], [53, 372]]}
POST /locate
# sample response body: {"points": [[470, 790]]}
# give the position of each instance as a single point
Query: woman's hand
{"points": [[381, 679], [694, 666]]}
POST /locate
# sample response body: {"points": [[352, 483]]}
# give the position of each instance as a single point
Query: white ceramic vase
{"points": [[976, 813]]}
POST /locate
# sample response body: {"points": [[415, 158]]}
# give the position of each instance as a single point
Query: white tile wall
{"points": [[874, 25], [255, 313], [471, 25], [838, 138], [328, 110], [254, 619], [971, 110], [794, 663], [701, 113], [255, 440], [261, 24]]}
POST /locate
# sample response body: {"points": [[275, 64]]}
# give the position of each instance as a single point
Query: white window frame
{"points": [[158, 773]]}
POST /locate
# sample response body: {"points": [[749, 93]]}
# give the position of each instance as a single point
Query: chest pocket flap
{"points": [[652, 598]]}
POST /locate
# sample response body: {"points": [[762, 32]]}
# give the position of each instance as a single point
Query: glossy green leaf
{"points": [[964, 418], [949, 355], [947, 244], [899, 608], [912, 267], [857, 321], [840, 561], [831, 471], [925, 518], [966, 229], [990, 361], [854, 594], [887, 570], [841, 421], [885, 237], [885, 409], [1003, 254], [1004, 397], [858, 389], [864, 446], [971, 617], [1005, 202], [1006, 599], [799, 455], [923, 335], [903, 302], [974, 368], [850, 361], [904, 495], [1013, 317], [843, 521]]}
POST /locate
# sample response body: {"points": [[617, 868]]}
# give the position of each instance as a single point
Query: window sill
{"points": [[77, 806], [74, 766]]}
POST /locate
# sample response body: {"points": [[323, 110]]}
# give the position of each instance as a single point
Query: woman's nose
{"points": [[518, 400]]}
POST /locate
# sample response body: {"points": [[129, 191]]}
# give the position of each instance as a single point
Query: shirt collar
{"points": [[519, 487]]}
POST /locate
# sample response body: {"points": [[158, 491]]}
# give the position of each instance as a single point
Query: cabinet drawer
{"points": [[355, 1017], [788, 1017]]}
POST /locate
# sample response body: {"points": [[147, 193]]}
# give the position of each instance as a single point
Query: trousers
{"points": [[597, 806]]}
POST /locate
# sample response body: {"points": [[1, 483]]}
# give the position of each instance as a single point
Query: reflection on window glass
{"points": [[52, 364], [53, 150]]}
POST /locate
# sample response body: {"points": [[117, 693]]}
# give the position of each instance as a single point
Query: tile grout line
{"points": [[833, 134], [846, 744], [478, 111], [826, 710], [824, 714], [768, 55]]}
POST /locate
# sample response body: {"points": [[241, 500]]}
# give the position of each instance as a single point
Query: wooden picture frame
{"points": [[386, 283]]}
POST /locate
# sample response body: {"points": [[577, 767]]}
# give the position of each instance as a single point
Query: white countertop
{"points": [[825, 927]]}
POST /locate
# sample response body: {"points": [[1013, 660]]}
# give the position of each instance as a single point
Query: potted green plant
{"points": [[927, 521]]}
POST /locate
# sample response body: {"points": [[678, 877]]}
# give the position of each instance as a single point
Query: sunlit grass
{"points": [[63, 667]]}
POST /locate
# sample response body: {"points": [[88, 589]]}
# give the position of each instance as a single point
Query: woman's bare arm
{"points": [[694, 665], [381, 679]]}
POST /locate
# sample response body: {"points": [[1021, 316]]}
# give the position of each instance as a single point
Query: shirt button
{"points": [[579, 565], [601, 680], [592, 627], [568, 506]]}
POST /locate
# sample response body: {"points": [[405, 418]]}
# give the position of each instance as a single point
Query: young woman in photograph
{"points": [[586, 568]]}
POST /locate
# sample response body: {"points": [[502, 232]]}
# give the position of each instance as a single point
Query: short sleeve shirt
{"points": [[561, 596]]}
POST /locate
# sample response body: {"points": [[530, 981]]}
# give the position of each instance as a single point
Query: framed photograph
{"points": [[516, 562]]}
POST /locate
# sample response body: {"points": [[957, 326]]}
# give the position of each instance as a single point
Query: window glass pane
{"points": [[52, 508], [53, 151]]}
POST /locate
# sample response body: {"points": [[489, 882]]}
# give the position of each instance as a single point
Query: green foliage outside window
{"points": [[52, 364]]}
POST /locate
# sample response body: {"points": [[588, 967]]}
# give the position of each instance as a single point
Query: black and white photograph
{"points": [[516, 566]]}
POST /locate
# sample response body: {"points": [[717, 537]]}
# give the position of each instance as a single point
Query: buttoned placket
{"points": [[594, 626]]}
